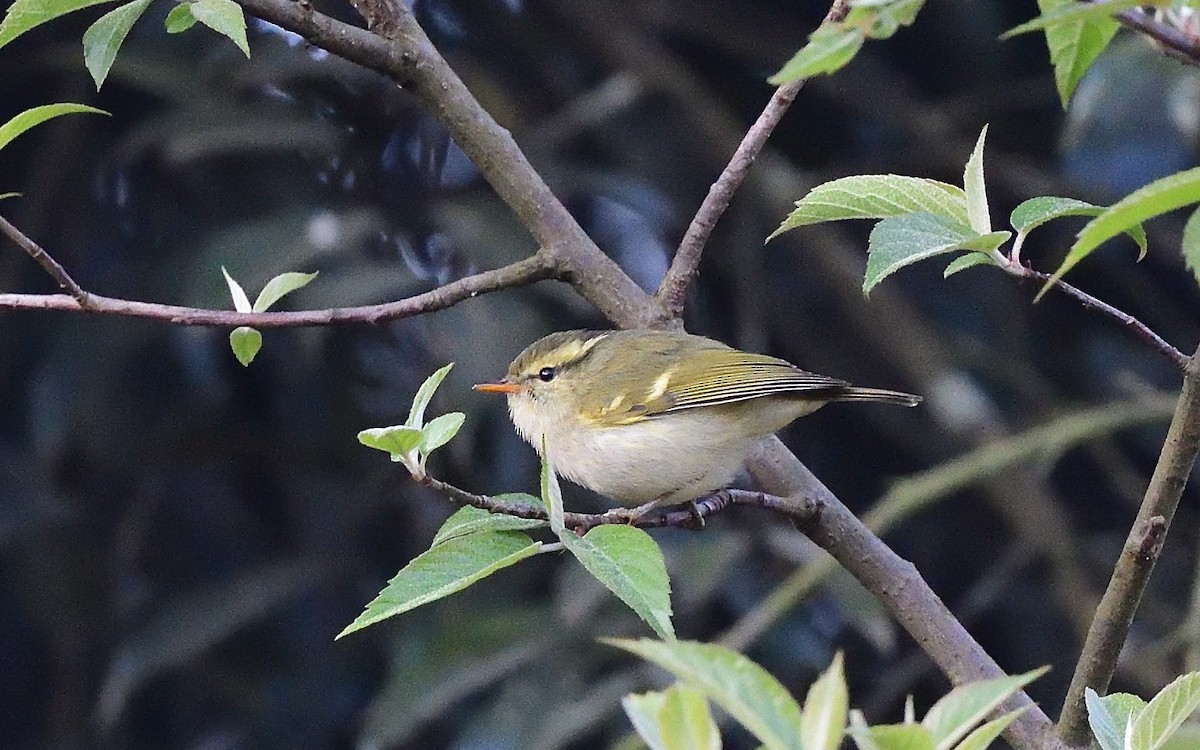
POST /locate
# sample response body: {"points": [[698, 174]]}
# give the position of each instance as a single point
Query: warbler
{"points": [[658, 417]]}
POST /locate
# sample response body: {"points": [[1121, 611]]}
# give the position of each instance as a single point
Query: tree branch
{"points": [[1173, 41], [534, 268], [52, 267], [1015, 268], [671, 297], [1113, 617]]}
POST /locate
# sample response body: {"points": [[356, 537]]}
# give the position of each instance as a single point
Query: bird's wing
{"points": [[724, 376]]}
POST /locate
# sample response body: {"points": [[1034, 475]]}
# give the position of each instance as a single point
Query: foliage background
{"points": [[181, 537]]}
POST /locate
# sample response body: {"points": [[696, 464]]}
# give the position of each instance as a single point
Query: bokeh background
{"points": [[182, 537]]}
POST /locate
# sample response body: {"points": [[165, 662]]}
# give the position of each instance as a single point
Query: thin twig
{"points": [[1174, 42], [534, 268], [44, 260], [1140, 329], [1110, 627], [671, 297], [690, 516]]}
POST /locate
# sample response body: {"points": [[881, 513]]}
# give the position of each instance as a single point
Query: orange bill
{"points": [[500, 387]]}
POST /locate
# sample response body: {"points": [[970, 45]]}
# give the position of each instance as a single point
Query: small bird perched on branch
{"points": [[658, 417]]}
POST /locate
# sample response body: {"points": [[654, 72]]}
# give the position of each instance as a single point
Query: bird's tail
{"points": [[854, 393]]}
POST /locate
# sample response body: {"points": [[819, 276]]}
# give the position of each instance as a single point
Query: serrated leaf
{"points": [[745, 690], [1074, 46], [629, 563], [416, 413], [1073, 13], [969, 260], [966, 705], [104, 37], [825, 709], [1159, 197], [1165, 712], [241, 302], [179, 18], [245, 342], [983, 735], [1033, 213], [24, 15], [398, 440], [876, 197], [440, 431], [903, 240], [445, 569], [673, 719], [36, 116], [978, 216], [469, 520], [224, 17], [828, 49], [552, 494], [902, 737], [892, 15], [284, 283], [1191, 244]]}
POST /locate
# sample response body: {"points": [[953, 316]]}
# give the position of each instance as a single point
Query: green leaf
{"points": [[284, 283], [1074, 46], [977, 205], [6, 196], [966, 705], [416, 413], [825, 708], [878, 196], [36, 116], [1165, 712], [903, 240], [245, 342], [630, 564], [902, 737], [241, 302], [23, 15], [1035, 212], [1109, 716], [969, 260], [1157, 198], [828, 49], [440, 430], [398, 440], [1190, 244], [103, 38], [224, 17], [179, 18], [445, 569], [468, 520], [673, 719], [552, 495], [983, 735], [1187, 738], [745, 690], [861, 733], [1073, 13]]}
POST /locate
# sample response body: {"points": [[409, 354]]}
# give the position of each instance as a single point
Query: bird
{"points": [[651, 417]]}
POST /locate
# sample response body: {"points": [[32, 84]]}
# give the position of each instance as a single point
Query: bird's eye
{"points": [[546, 374]]}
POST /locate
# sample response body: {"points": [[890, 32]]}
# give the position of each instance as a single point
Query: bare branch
{"points": [[1110, 627], [691, 516], [44, 260], [534, 268], [1140, 329], [1173, 41], [671, 297]]}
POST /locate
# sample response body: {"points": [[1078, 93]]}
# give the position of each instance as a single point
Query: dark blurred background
{"points": [[181, 538]]}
